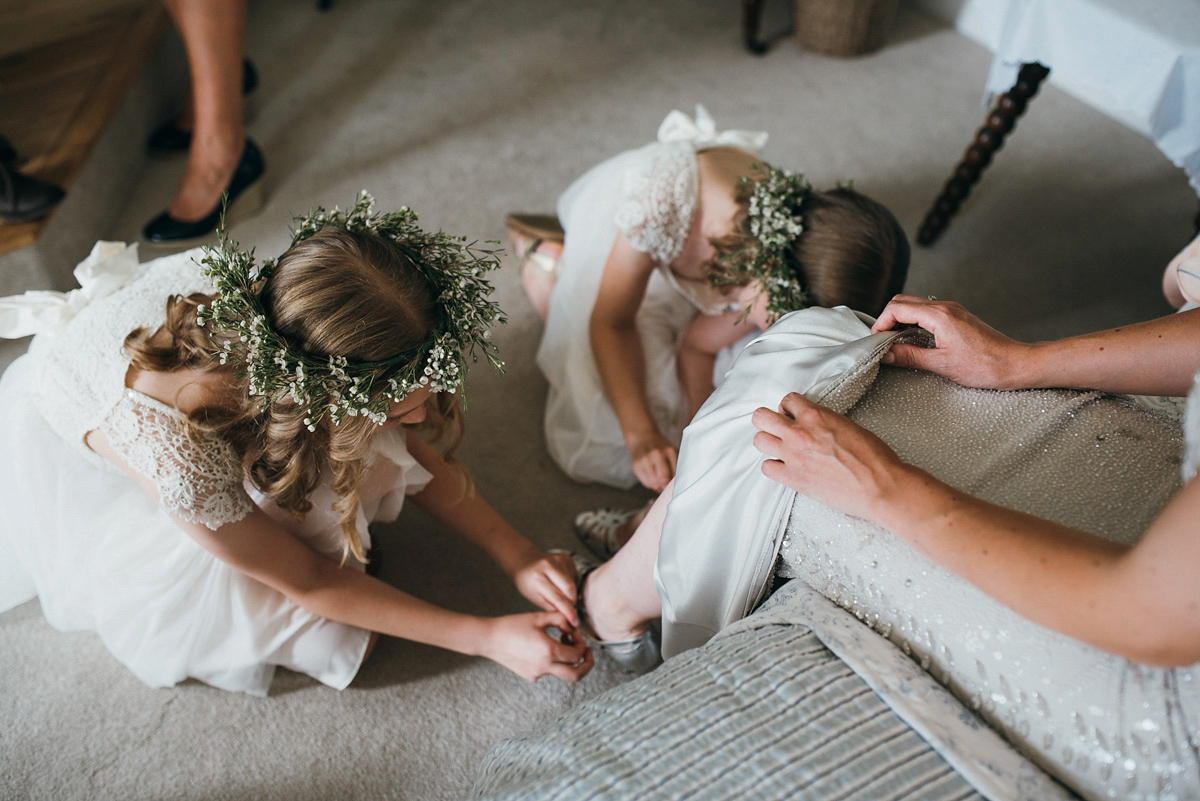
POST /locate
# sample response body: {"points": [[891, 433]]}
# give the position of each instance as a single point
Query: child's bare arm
{"points": [[547, 580], [617, 349], [262, 549]]}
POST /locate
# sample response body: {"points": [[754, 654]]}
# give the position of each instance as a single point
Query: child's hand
{"points": [[549, 582], [522, 644], [654, 459]]}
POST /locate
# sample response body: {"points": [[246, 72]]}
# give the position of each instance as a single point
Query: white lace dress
{"points": [[650, 194], [98, 552]]}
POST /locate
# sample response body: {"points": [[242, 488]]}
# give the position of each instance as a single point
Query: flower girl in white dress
{"points": [[192, 450], [642, 300]]}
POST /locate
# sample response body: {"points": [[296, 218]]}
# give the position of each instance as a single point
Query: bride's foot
{"points": [[617, 630]]}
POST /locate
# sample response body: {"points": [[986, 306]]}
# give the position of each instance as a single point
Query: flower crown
{"points": [[774, 221], [335, 385]]}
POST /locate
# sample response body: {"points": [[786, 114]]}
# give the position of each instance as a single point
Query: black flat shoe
{"points": [[244, 194], [8, 155], [169, 139], [25, 199]]}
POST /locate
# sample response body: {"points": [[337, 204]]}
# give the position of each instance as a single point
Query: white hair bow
{"points": [[106, 269], [702, 132]]}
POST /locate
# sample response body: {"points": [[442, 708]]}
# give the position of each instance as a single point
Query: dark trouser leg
{"points": [[751, 17]]}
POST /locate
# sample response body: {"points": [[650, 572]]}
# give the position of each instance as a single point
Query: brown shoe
{"points": [[526, 235], [544, 227]]}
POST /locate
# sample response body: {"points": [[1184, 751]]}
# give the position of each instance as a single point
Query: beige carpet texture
{"points": [[468, 109]]}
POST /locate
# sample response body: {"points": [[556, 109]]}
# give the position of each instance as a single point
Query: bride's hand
{"points": [[826, 456], [966, 350]]}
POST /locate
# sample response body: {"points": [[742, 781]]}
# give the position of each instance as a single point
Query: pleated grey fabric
{"points": [[763, 713]]}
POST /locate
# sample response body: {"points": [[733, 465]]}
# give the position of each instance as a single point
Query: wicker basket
{"points": [[844, 27]]}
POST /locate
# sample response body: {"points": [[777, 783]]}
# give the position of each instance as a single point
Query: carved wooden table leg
{"points": [[751, 18], [988, 140]]}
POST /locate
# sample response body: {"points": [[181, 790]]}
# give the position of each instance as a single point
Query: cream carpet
{"points": [[465, 110]]}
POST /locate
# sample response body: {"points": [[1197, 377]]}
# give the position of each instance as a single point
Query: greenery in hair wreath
{"points": [[335, 385], [774, 221]]}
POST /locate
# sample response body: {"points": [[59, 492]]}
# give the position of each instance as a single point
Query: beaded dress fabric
{"points": [[103, 555], [1103, 726], [1106, 726], [649, 194]]}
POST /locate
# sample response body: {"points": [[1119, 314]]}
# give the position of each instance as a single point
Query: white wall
{"points": [[979, 20]]}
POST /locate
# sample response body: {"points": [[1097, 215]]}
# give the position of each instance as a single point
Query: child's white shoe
{"points": [[599, 529]]}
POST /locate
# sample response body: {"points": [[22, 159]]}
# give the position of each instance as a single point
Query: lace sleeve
{"points": [[660, 199], [199, 481]]}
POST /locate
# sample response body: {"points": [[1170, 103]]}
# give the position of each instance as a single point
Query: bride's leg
{"points": [[620, 596]]}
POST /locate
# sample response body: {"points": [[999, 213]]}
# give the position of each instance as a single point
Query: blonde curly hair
{"points": [[337, 293]]}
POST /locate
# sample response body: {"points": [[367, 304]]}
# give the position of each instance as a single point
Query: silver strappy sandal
{"points": [[635, 655]]}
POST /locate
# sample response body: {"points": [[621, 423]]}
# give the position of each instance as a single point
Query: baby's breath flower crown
{"points": [[774, 221], [335, 385]]}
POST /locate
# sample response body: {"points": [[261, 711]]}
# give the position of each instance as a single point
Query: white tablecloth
{"points": [[1137, 61]]}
